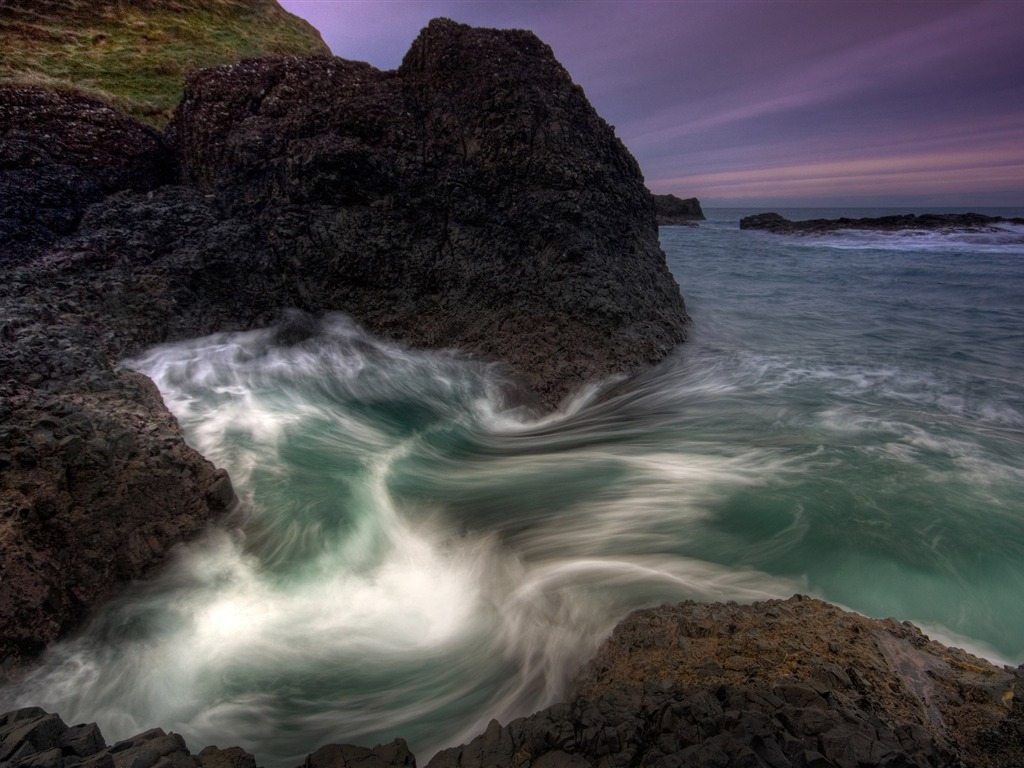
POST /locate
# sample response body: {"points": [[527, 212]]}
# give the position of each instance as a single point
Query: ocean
{"points": [[416, 559]]}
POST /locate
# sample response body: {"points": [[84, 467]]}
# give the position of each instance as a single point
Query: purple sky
{"points": [[769, 102]]}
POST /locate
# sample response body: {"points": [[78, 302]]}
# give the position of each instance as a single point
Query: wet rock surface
{"points": [[945, 222], [33, 738], [779, 684], [96, 481]]}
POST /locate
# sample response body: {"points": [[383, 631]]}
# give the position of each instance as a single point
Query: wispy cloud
{"points": [[978, 171]]}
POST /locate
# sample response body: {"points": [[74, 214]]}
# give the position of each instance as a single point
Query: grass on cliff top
{"points": [[135, 54]]}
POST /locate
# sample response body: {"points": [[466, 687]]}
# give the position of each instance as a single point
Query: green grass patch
{"points": [[135, 54]]}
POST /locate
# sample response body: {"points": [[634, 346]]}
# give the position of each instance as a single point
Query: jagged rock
{"points": [[673, 211], [471, 198], [232, 757], [816, 686], [99, 484], [777, 684], [774, 222], [32, 738]]}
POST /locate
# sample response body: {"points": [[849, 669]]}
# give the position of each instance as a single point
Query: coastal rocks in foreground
{"points": [[777, 684], [96, 481], [672, 211], [781, 683], [943, 222], [471, 199], [34, 738]]}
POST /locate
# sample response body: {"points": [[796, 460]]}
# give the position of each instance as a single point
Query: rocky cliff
{"points": [[470, 199], [96, 482]]}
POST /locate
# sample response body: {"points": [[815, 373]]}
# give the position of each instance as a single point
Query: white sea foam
{"points": [[1004, 238], [419, 558]]}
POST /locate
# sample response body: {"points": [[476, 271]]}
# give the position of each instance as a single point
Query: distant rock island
{"points": [[673, 211], [774, 222]]}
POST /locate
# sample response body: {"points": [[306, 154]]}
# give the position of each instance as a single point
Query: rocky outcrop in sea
{"points": [[470, 199], [942, 222], [672, 211]]}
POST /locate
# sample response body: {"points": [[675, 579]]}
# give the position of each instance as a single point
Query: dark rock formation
{"points": [[774, 222], [780, 683], [33, 738], [96, 482], [393, 755], [59, 153], [673, 211], [470, 199]]}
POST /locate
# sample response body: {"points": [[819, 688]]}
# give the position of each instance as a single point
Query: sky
{"points": [[769, 102]]}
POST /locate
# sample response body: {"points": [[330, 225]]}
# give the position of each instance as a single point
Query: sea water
{"points": [[417, 557]]}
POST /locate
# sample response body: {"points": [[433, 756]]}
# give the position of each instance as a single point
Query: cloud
{"points": [[979, 171]]}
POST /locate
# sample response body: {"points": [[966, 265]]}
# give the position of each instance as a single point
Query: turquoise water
{"points": [[847, 421]]}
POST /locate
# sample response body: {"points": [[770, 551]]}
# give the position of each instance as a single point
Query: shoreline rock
{"points": [[471, 199], [943, 222], [795, 682], [780, 683]]}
